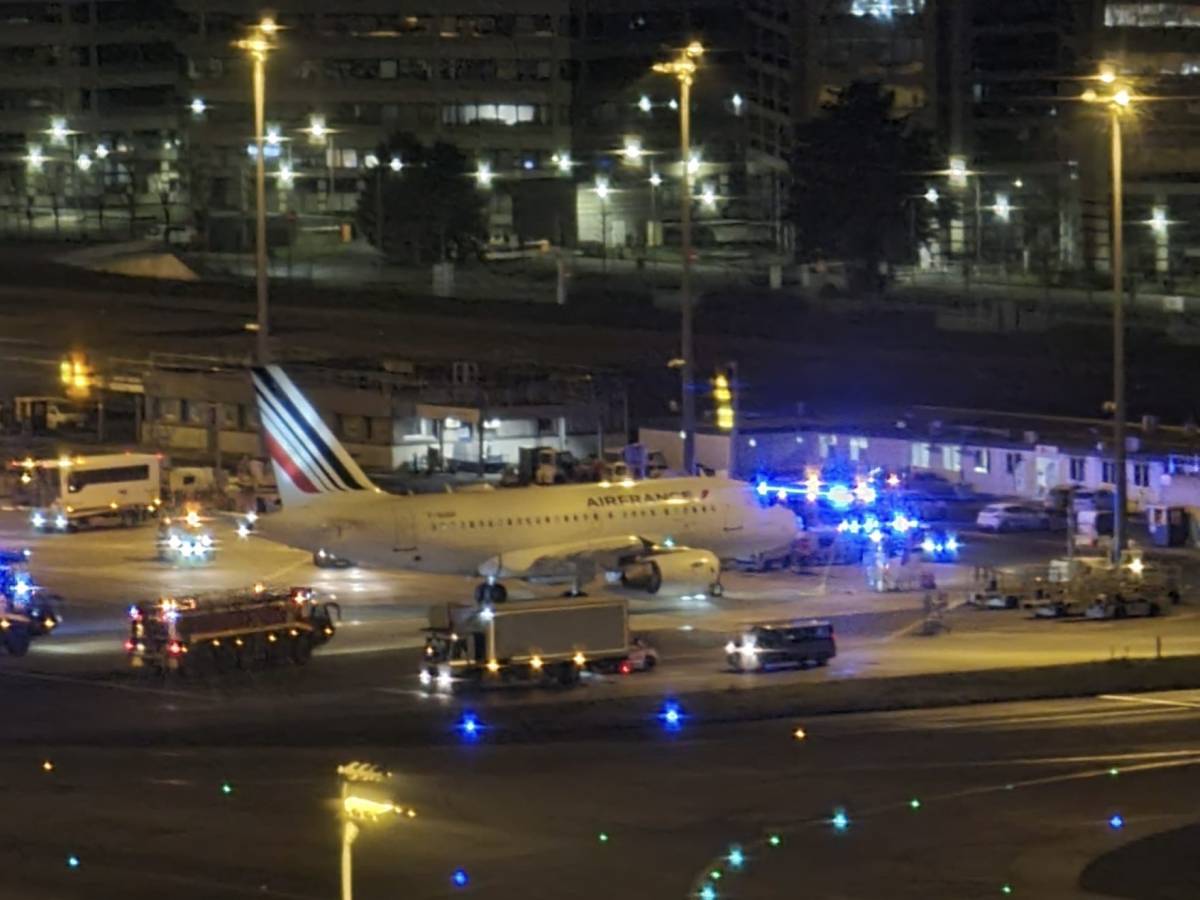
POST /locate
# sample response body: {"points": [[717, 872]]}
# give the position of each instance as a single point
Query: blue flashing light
{"points": [[671, 716], [736, 857], [870, 523], [840, 496], [902, 524], [708, 892], [1116, 822], [781, 495], [876, 536], [460, 878], [762, 488], [865, 492], [928, 545], [952, 544], [840, 820], [469, 726]]}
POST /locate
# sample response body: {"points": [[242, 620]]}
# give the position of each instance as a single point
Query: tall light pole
{"points": [[258, 45], [683, 67], [602, 190], [1118, 99]]}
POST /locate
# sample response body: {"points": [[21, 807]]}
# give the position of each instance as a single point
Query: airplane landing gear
{"points": [[489, 593]]}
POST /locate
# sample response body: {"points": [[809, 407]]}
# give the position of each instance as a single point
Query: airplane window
{"points": [[471, 524], [510, 521], [653, 513]]}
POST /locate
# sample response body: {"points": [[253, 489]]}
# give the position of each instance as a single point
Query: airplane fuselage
{"points": [[458, 533]]}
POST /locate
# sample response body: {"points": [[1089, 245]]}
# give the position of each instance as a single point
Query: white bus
{"points": [[72, 492]]}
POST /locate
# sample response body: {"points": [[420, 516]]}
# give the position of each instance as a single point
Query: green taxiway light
{"points": [[603, 837], [914, 803], [774, 840], [226, 788]]}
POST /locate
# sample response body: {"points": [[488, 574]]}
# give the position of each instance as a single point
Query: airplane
{"points": [[665, 535]]}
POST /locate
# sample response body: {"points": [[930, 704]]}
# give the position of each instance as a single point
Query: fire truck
{"points": [[221, 633], [26, 610]]}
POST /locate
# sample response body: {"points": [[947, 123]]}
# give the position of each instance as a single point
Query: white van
{"points": [[71, 492]]}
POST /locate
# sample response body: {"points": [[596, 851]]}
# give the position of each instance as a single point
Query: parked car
{"points": [[1012, 517]]}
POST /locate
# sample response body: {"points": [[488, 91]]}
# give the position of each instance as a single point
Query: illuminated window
{"points": [[886, 9], [952, 458], [920, 455], [1152, 15], [982, 462], [1141, 474], [857, 445]]}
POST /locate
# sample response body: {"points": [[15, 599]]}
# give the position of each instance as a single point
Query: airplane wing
{"points": [[573, 559]]}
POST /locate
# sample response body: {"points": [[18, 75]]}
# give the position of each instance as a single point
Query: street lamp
{"points": [[362, 800], [602, 192], [632, 151], [258, 45], [1118, 100], [563, 162], [198, 106], [683, 68]]}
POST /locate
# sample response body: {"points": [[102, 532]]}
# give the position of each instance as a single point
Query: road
{"points": [[1018, 795]]}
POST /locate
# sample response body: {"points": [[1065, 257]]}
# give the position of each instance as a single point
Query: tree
{"points": [[432, 207], [859, 174]]}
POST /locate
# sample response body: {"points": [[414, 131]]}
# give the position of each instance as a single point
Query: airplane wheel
{"points": [[717, 590]]}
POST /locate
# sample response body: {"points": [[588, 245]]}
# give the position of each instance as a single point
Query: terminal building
{"points": [[993, 454], [404, 416]]}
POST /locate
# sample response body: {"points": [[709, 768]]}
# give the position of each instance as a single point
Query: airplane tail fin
{"points": [[308, 460]]}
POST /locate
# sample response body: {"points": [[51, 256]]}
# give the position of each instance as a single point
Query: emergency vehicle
{"points": [[75, 491], [26, 610], [239, 630]]}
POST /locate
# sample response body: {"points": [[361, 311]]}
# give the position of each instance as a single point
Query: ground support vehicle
{"points": [[771, 645], [222, 632], [76, 492], [185, 538], [531, 642], [1119, 607]]}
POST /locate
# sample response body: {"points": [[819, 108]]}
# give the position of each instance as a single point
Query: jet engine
{"points": [[681, 573]]}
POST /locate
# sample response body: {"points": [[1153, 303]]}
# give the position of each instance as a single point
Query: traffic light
{"points": [[722, 393]]}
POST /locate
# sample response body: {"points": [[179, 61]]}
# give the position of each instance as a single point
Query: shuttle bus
{"points": [[69, 493]]}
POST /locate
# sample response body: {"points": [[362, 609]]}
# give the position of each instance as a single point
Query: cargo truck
{"points": [[533, 642]]}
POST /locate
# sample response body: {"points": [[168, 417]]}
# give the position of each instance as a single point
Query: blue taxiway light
{"points": [[671, 716], [460, 878], [840, 820], [736, 858], [1116, 822]]}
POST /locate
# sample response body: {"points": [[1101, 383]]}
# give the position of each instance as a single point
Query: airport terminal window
{"points": [[983, 461], [1012, 461], [1141, 474], [1078, 468], [1152, 15]]}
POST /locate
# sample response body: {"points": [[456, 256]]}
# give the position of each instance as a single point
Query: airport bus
{"points": [[73, 492]]}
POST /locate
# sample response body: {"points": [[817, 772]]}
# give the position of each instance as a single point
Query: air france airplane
{"points": [[661, 536]]}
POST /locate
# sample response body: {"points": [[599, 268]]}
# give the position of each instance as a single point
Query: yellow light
{"points": [[536, 663], [493, 666], [5, 624], [113, 504], [28, 462], [193, 521], [271, 638], [47, 766], [64, 462], [1122, 98], [799, 734], [579, 659], [1136, 566], [695, 49], [721, 382], [1107, 75], [259, 587], [411, 813], [65, 371], [268, 26], [1089, 96]]}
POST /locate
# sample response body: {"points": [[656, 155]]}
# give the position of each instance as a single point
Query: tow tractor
{"points": [[26, 610], [238, 630]]}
